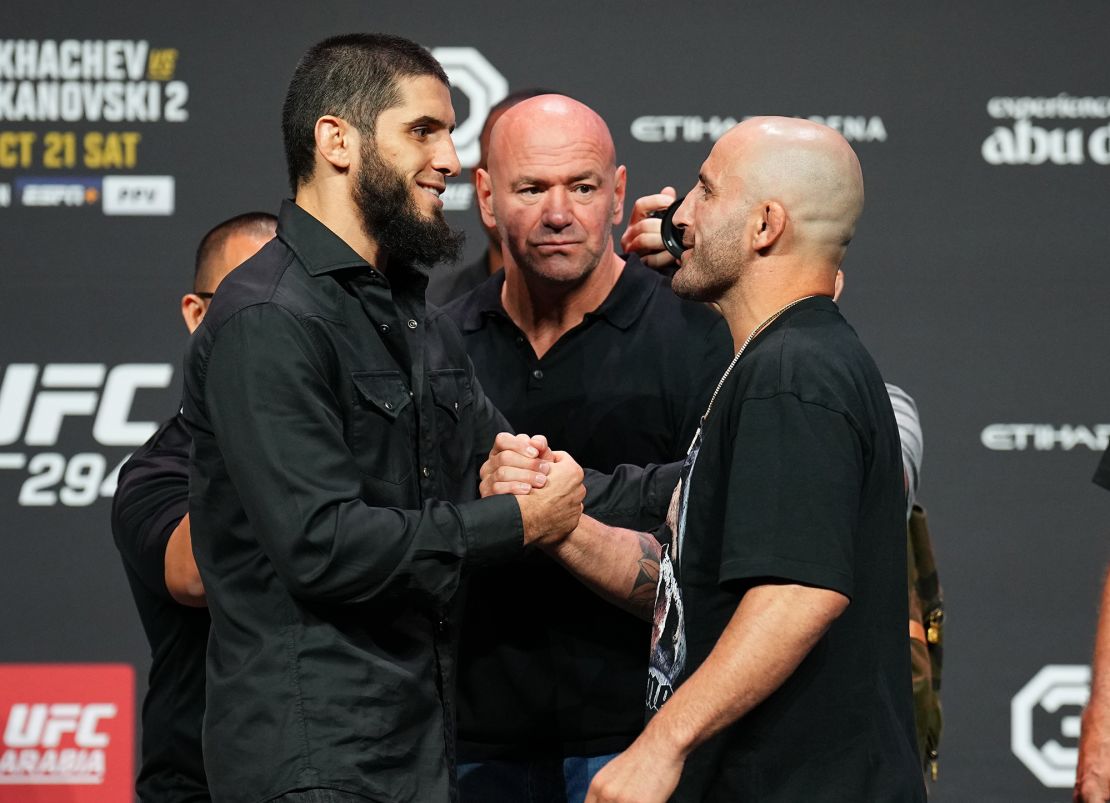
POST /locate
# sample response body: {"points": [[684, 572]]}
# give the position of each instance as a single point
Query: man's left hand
{"points": [[646, 772], [643, 235], [516, 464]]}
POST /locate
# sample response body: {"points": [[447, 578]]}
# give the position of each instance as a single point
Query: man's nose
{"points": [[557, 210], [684, 215], [445, 160]]}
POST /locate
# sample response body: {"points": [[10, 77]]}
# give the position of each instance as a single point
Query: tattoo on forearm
{"points": [[642, 595]]}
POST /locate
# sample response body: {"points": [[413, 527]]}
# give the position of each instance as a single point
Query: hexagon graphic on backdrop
{"points": [[472, 74], [1055, 686]]}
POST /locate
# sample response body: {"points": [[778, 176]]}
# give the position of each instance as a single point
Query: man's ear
{"points": [[770, 224], [193, 308], [483, 188], [618, 194], [838, 284], [336, 141]]}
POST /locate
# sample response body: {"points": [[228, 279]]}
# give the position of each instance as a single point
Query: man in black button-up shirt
{"points": [[337, 431]]}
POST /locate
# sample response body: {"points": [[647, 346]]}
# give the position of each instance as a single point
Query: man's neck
{"points": [[335, 210], [758, 295], [545, 311], [493, 258]]}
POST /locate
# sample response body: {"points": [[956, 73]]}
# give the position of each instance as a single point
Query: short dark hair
{"points": [[353, 77], [262, 224]]}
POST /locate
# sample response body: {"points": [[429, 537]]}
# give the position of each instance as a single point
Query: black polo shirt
{"points": [[151, 498], [546, 667]]}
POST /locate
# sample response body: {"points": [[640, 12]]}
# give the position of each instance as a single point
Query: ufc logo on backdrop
{"points": [[68, 733], [42, 725], [38, 404], [67, 389]]}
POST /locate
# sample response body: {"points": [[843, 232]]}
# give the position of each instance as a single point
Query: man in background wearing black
{"points": [[150, 523], [597, 353]]}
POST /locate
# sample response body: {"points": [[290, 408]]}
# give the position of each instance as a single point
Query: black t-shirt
{"points": [[546, 667], [1102, 473], [797, 478], [150, 501]]}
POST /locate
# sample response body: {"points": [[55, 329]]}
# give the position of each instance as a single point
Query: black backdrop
{"points": [[978, 277]]}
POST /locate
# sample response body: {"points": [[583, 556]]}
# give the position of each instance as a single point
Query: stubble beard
{"points": [[565, 278], [707, 273], [390, 216]]}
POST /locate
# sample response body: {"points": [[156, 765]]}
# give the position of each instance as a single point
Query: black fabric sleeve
{"points": [[793, 494], [150, 500], [280, 430], [1102, 473], [632, 497]]}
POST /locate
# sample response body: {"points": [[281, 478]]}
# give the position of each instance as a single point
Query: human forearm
{"points": [[1092, 778], [620, 565], [182, 576], [773, 629]]}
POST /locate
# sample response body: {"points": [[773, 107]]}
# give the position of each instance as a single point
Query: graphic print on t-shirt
{"points": [[668, 632]]}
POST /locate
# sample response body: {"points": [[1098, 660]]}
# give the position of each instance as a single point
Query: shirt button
{"points": [[427, 472], [388, 405], [384, 328], [519, 340], [537, 374], [412, 323]]}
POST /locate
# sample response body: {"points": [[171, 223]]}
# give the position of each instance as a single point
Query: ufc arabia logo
{"points": [[58, 743]]}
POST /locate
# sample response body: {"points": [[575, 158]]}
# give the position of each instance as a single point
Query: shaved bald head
{"points": [[553, 189], [809, 168], [778, 196], [558, 116]]}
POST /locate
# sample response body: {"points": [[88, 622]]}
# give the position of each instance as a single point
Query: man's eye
{"points": [[584, 189], [529, 190], [421, 131]]}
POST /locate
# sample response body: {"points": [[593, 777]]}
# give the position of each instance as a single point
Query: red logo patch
{"points": [[68, 733]]}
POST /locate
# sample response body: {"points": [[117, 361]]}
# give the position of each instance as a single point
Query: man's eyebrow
{"points": [[704, 181], [589, 175], [429, 120]]}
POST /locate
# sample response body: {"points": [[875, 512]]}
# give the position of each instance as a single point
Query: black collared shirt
{"points": [[546, 667], [331, 418]]}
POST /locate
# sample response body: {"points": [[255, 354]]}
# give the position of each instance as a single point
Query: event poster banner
{"points": [[977, 278]]}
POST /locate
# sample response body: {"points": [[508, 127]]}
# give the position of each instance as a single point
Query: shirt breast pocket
{"points": [[453, 397], [380, 425]]}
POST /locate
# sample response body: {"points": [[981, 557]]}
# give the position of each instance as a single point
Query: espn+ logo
{"points": [[55, 743], [38, 403]]}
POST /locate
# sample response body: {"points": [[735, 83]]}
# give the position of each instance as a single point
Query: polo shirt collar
{"points": [[622, 307]]}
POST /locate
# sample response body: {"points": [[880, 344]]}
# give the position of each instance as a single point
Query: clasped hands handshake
{"points": [[547, 485]]}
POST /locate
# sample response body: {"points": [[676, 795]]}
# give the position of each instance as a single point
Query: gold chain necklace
{"points": [[736, 359]]}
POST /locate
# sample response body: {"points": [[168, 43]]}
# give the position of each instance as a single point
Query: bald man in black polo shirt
{"points": [[596, 352]]}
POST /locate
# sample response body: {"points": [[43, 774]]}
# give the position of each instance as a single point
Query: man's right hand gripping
{"points": [[547, 485]]}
